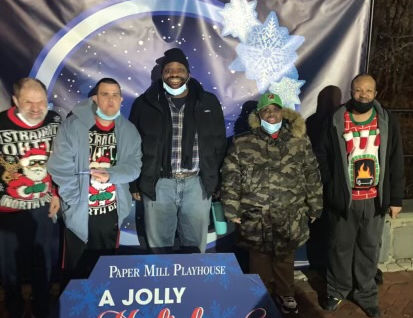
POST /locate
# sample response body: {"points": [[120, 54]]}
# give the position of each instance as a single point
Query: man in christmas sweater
{"points": [[361, 165], [27, 199], [96, 154]]}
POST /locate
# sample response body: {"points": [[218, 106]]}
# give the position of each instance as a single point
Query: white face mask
{"points": [[175, 91], [106, 117], [271, 128]]}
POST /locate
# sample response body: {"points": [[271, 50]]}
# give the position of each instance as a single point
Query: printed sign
{"points": [[167, 286]]}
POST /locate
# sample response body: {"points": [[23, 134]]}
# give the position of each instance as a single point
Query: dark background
{"points": [[391, 63]]}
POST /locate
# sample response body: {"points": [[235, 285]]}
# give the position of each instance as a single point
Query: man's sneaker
{"points": [[287, 304], [331, 303]]}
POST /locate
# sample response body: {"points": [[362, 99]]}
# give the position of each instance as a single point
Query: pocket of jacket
{"points": [[251, 226]]}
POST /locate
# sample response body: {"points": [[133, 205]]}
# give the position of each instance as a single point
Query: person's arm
{"points": [[128, 168], [220, 132], [61, 165], [396, 164], [231, 186], [54, 206], [133, 118], [321, 152], [313, 185]]}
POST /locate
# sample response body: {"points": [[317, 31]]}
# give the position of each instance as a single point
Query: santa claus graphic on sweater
{"points": [[101, 194], [35, 181]]}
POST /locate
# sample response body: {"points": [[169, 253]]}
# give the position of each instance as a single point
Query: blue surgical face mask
{"points": [[106, 117], [270, 128], [175, 91]]}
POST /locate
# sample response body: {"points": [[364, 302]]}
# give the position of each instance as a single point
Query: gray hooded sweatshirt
{"points": [[71, 155]]}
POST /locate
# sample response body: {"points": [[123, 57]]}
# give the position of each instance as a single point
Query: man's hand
{"points": [[394, 211], [136, 196], [236, 220], [54, 206], [100, 175], [216, 195]]}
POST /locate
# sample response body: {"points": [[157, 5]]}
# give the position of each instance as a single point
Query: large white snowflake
{"points": [[288, 89], [239, 17], [269, 54]]}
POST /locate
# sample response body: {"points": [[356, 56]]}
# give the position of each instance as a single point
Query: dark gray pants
{"points": [[25, 257], [354, 245]]}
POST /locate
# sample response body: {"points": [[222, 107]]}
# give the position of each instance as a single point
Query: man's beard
{"points": [[99, 186], [35, 174]]}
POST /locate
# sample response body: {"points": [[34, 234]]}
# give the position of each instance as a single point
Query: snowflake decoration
{"points": [[239, 18], [1, 188], [217, 312], [82, 302], [269, 54], [259, 290], [223, 280], [288, 89]]}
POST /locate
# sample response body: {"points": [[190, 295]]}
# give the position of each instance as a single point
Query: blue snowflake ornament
{"points": [[269, 54], [223, 280], [83, 301], [216, 311], [239, 18], [288, 89]]}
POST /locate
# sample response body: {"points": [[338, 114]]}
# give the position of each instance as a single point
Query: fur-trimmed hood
{"points": [[292, 121]]}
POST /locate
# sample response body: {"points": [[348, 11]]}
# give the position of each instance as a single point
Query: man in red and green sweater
{"points": [[28, 202], [361, 165]]}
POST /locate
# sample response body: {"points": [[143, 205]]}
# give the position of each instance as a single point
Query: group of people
{"points": [[172, 154], [274, 184], [90, 167]]}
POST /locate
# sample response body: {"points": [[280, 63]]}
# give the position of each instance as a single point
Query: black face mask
{"points": [[360, 107]]}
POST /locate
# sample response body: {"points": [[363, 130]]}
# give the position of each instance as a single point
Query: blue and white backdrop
{"points": [[237, 49]]}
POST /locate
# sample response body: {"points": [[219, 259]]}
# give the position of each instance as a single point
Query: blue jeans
{"points": [[181, 204]]}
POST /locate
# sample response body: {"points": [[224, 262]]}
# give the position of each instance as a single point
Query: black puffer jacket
{"points": [[203, 114]]}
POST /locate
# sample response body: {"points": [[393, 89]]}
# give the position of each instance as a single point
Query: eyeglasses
{"points": [[40, 162]]}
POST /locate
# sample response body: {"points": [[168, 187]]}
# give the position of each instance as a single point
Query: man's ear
{"points": [[94, 97], [15, 101], [375, 94]]}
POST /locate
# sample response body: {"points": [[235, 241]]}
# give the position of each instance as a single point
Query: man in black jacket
{"points": [[183, 142], [361, 165]]}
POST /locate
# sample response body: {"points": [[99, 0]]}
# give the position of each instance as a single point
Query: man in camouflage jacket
{"points": [[271, 188]]}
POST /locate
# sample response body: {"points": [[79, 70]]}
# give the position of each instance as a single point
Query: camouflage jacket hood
{"points": [[292, 121], [273, 185]]}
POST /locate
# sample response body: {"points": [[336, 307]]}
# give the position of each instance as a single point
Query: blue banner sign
{"points": [[167, 286]]}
